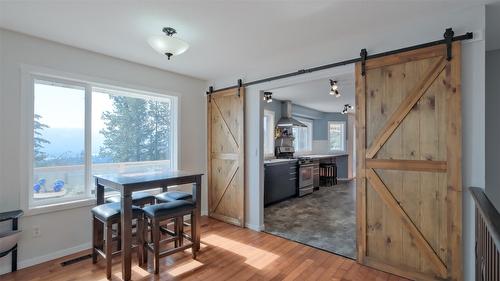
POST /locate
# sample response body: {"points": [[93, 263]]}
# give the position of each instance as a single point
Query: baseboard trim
{"points": [[255, 227], [45, 258]]}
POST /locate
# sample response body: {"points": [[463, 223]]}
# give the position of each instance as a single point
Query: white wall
{"points": [[428, 28], [67, 231], [492, 132]]}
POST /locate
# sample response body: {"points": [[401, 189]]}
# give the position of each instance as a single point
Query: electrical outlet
{"points": [[36, 231]]}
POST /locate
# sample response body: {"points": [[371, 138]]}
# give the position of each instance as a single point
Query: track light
{"points": [[347, 108], [334, 88], [268, 97]]}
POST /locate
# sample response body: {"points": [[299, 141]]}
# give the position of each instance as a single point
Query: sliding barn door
{"points": [[226, 173], [408, 117]]}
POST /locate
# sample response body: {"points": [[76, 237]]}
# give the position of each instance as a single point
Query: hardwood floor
{"points": [[227, 253]]}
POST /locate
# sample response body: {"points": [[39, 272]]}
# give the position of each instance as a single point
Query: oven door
{"points": [[306, 175]]}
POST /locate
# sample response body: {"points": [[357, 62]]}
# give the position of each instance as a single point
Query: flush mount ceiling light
{"points": [[334, 88], [268, 97], [168, 45], [347, 108]]}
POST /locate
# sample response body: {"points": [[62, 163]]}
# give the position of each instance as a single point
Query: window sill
{"points": [[38, 210]]}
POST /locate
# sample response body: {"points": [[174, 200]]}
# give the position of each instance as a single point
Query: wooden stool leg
{"points": [[145, 241], [193, 234], [176, 232], [95, 235], [140, 240], [156, 245], [109, 249], [119, 235], [181, 230]]}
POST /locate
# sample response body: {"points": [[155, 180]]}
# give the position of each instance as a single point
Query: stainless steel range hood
{"points": [[287, 120]]}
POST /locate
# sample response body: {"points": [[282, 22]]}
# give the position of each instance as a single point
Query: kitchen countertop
{"points": [[319, 156], [314, 156], [273, 161]]}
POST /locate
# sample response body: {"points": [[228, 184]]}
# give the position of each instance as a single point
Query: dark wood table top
{"points": [[146, 178]]}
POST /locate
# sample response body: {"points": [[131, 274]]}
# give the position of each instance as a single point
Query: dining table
{"points": [[126, 183]]}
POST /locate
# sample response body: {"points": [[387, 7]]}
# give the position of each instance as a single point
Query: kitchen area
{"points": [[309, 166]]}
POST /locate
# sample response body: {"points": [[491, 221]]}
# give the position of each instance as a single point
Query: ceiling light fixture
{"points": [[334, 88], [268, 97], [168, 45], [347, 108]]}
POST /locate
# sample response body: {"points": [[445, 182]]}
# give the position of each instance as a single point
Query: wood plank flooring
{"points": [[227, 253]]}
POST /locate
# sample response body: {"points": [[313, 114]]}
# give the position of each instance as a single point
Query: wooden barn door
{"points": [[408, 117], [226, 173]]}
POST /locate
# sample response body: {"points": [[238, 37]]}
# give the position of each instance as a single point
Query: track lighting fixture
{"points": [[268, 97], [334, 88], [347, 108]]}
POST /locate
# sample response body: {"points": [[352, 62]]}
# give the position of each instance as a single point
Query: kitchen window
{"points": [[336, 135], [268, 132], [303, 137], [79, 129]]}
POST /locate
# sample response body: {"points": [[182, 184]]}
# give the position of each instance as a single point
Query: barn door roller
{"points": [[448, 37]]}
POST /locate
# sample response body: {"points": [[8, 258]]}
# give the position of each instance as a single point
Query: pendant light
{"points": [[268, 97], [334, 88], [168, 45], [347, 108]]}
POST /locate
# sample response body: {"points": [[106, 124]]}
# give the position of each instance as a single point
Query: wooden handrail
{"points": [[489, 213]]}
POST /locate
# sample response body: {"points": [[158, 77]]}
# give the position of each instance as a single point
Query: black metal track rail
{"points": [[448, 39]]}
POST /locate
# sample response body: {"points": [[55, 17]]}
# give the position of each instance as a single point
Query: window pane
{"points": [[268, 132], [59, 141], [130, 132], [336, 135], [303, 137]]}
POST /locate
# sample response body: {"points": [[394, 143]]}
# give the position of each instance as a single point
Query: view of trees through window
{"points": [[128, 132]]}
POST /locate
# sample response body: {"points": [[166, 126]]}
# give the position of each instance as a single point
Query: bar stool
{"points": [[328, 174], [174, 210], [109, 214], [139, 198], [170, 196]]}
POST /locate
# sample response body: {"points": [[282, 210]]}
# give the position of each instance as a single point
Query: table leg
{"points": [[99, 192], [99, 227], [126, 233], [197, 223]]}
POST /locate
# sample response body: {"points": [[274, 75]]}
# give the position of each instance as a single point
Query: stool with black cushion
{"points": [[328, 174], [169, 211], [109, 214], [139, 198], [170, 196]]}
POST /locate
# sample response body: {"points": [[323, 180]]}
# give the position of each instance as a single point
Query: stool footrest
{"points": [[175, 250]]}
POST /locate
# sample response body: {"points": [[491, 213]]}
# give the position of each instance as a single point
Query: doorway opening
{"points": [[309, 163]]}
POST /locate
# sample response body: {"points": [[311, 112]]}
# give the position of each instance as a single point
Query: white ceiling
{"points": [[315, 94], [227, 38]]}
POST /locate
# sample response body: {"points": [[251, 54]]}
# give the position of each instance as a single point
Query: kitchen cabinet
{"points": [[316, 174], [280, 181]]}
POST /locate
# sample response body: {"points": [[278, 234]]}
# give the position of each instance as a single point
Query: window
{"points": [[303, 137], [81, 129], [268, 133], [336, 136]]}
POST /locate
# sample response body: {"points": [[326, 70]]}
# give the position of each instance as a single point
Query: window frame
{"points": [[344, 136], [309, 149], [29, 75], [270, 135]]}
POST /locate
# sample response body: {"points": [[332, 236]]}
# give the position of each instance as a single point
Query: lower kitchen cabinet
{"points": [[280, 181]]}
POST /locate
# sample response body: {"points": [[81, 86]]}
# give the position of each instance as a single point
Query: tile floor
{"points": [[325, 219]]}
